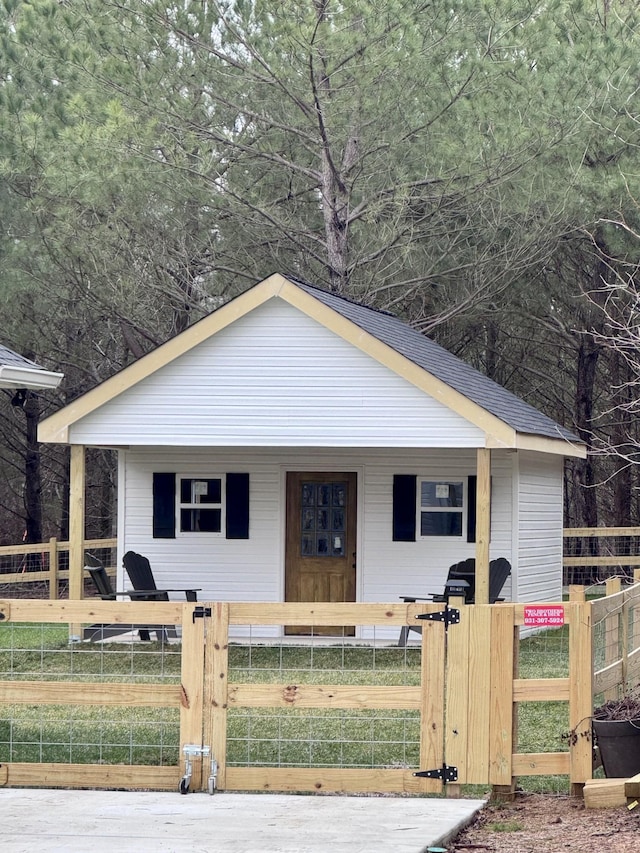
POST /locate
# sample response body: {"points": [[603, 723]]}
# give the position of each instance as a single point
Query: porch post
{"points": [[76, 521], [483, 524]]}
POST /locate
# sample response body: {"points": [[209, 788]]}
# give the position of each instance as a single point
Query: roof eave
{"points": [[544, 444], [28, 377]]}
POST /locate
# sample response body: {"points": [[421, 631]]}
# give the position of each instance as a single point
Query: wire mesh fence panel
{"points": [[543, 726], [336, 737], [82, 726], [302, 738], [616, 642], [96, 735], [591, 555]]}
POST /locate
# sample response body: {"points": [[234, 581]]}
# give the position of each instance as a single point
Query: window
{"points": [[199, 503], [200, 508], [441, 508]]}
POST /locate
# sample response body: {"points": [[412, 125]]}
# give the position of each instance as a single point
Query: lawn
{"points": [[267, 737]]}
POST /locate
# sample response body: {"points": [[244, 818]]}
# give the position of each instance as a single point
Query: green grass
{"points": [[271, 736], [505, 826]]}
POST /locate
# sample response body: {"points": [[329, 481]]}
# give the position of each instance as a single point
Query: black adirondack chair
{"points": [[462, 576], [141, 576], [102, 583]]}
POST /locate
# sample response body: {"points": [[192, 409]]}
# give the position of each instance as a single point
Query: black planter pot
{"points": [[619, 745]]}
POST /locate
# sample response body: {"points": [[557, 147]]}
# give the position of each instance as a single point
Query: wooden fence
{"points": [[592, 554], [466, 695], [616, 622], [47, 562]]}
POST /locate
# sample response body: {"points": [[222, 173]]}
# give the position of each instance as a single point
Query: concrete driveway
{"points": [[63, 821]]}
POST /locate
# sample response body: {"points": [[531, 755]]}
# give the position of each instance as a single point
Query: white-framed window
{"points": [[441, 507], [200, 505]]}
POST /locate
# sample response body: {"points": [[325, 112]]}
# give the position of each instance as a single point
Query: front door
{"points": [[320, 560]]}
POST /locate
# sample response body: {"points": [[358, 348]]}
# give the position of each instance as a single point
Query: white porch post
{"points": [[76, 521], [483, 524]]}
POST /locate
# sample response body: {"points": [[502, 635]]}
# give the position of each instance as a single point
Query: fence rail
{"points": [[47, 563], [616, 626], [593, 554]]}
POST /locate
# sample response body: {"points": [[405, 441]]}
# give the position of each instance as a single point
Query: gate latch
{"points": [[450, 616], [191, 751], [446, 773], [200, 613]]}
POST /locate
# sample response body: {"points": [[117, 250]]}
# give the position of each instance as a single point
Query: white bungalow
{"points": [[296, 446]]}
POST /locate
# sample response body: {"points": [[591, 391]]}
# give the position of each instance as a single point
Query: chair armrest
{"points": [[191, 594], [408, 599]]}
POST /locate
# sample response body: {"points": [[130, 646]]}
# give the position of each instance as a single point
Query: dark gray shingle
{"points": [[13, 359]]}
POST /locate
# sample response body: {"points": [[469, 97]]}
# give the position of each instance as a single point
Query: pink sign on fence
{"points": [[544, 615]]}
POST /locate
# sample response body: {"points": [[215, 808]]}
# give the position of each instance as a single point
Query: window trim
{"points": [[462, 511], [179, 505]]}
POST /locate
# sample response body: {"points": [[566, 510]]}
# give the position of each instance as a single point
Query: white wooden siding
{"points": [[252, 569], [539, 525], [275, 378]]}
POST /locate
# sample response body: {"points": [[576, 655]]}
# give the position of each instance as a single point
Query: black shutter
{"points": [[472, 495], [237, 504], [164, 506], [404, 507]]}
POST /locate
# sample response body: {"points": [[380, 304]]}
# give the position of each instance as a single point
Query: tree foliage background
{"points": [[469, 166]]}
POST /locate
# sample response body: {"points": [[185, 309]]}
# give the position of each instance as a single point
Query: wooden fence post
{"points": [[576, 592], [192, 690], [612, 624], [580, 695], [635, 616], [432, 707], [456, 730], [503, 731], [479, 707], [53, 568], [216, 691]]}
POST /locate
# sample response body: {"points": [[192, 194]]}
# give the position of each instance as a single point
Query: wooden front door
{"points": [[320, 560]]}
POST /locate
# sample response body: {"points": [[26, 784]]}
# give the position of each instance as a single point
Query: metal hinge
{"points": [[450, 616], [446, 773], [200, 613]]}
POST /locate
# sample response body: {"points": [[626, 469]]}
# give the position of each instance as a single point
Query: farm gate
{"points": [[456, 687]]}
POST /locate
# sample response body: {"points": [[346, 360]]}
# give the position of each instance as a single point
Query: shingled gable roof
{"points": [[444, 365], [506, 420], [16, 371]]}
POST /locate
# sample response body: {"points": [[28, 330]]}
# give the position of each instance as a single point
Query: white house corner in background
{"points": [[295, 445], [19, 372]]}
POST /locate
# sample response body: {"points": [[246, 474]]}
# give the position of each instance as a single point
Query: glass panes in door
{"points": [[323, 519]]}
